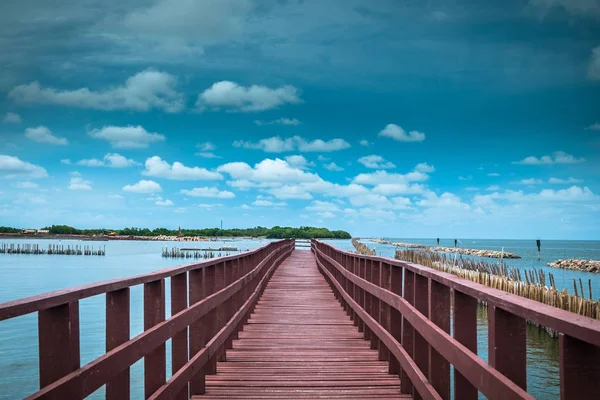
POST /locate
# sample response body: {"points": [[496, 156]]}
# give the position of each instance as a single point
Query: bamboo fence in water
{"points": [[502, 277]]}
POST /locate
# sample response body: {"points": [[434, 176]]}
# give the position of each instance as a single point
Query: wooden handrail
{"points": [[364, 285], [222, 294]]}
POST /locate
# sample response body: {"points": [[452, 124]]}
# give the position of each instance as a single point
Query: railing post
{"points": [[439, 312], [396, 321], [408, 332], [579, 369], [355, 290], [507, 345], [421, 352], [154, 313], [465, 331], [179, 342], [197, 291], [366, 272], [375, 310], [361, 293], [220, 283], [117, 333], [384, 315], [58, 336]]}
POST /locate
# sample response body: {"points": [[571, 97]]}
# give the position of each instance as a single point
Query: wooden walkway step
{"points": [[300, 344]]}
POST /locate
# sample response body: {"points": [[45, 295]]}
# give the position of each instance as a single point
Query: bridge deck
{"points": [[300, 344]]}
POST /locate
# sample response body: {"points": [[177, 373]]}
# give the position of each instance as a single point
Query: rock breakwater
{"points": [[579, 265]]}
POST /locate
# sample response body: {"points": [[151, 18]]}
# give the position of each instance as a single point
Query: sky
{"points": [[411, 119]]}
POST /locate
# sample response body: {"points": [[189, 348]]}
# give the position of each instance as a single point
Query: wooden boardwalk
{"points": [[300, 344]]}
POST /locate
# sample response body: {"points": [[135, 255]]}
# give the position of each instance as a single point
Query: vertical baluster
{"points": [[58, 335], [507, 345], [421, 354], [361, 293], [579, 369], [221, 311], [375, 279], [408, 332], [197, 291], [367, 296], [396, 319], [465, 331], [440, 315], [179, 342], [155, 362], [384, 315], [352, 269], [117, 333]]}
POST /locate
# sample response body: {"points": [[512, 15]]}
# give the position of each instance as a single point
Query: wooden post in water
{"points": [[539, 246]]}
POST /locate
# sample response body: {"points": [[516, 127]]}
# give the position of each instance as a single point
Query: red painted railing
{"points": [[405, 311], [222, 293]]}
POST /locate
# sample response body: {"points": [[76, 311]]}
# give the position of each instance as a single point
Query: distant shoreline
{"points": [[132, 238]]}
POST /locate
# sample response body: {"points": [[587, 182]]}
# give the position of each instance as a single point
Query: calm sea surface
{"points": [[22, 276]]}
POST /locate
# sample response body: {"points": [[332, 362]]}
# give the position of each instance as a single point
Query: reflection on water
{"points": [[542, 358]]}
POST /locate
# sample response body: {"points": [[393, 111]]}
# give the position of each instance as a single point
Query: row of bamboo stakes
{"points": [[197, 253], [53, 249], [362, 248], [502, 277]]}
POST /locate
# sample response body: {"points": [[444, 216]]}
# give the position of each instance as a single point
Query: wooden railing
{"points": [[221, 292], [405, 310]]}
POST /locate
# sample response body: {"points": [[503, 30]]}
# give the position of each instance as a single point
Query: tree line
{"points": [[276, 232]]}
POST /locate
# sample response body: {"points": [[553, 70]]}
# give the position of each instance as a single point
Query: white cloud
{"points": [[208, 154], [492, 188], [572, 194], [594, 127], [323, 206], [13, 167], [11, 118], [206, 146], [465, 178], [558, 157], [376, 162], [210, 206], [559, 181], [397, 133], [290, 192], [268, 171], [389, 189], [384, 177], [111, 160], [245, 207], [326, 214], [322, 158], [127, 137], [157, 167], [27, 185], [65, 161], [210, 192], [531, 181], [333, 167], [364, 143], [445, 200], [279, 121], [424, 167], [574, 7], [141, 92], [278, 145], [269, 203], [143, 186], [493, 174], [78, 183], [164, 203], [298, 162], [42, 134], [233, 97], [115, 196]]}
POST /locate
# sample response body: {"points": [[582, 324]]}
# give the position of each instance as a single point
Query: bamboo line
{"points": [[502, 277], [53, 249]]}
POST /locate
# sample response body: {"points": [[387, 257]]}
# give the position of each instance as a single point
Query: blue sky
{"points": [[383, 118]]}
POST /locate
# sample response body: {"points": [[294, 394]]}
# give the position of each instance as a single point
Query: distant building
{"points": [[29, 231], [43, 231]]}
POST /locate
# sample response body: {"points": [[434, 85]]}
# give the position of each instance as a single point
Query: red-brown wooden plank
{"points": [[439, 313], [179, 342], [154, 313], [408, 332], [421, 347], [58, 333], [375, 278], [384, 316], [465, 331], [579, 369], [395, 316], [507, 345], [117, 333]]}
